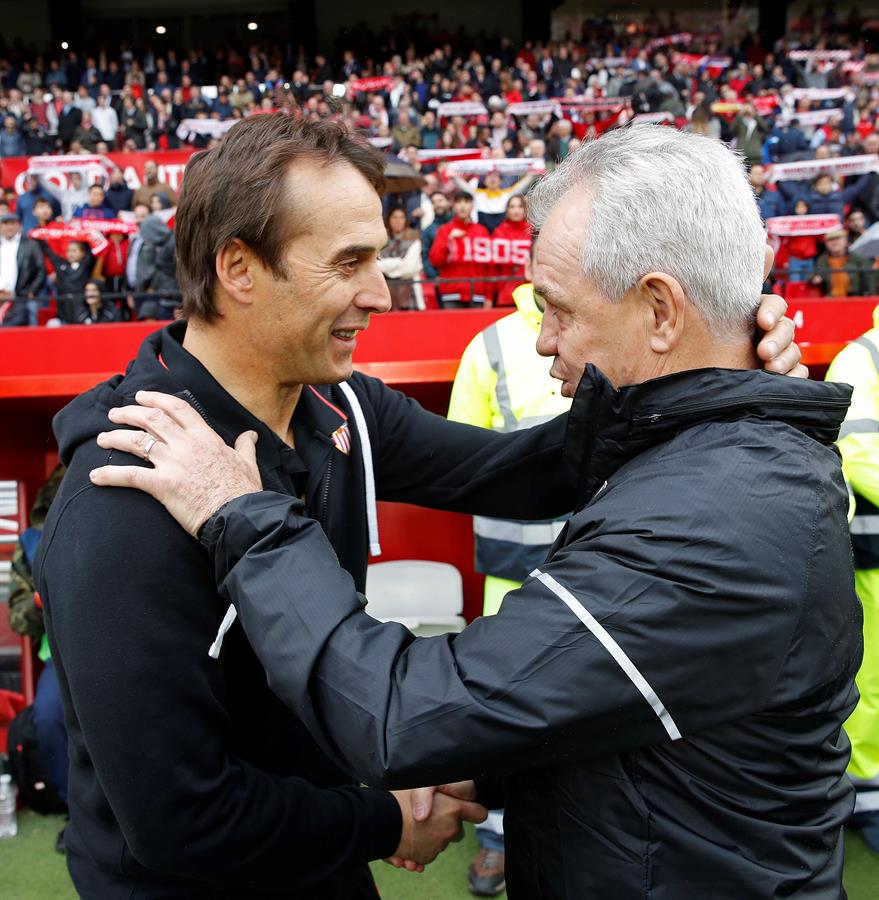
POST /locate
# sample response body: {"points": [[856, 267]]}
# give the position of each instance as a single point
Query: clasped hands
{"points": [[432, 819]]}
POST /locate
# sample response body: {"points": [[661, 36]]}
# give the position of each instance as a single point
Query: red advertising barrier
{"points": [[171, 164]]}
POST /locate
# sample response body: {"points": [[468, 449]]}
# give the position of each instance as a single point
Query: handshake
{"points": [[432, 819]]}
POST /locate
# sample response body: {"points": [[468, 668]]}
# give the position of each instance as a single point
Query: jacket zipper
{"points": [[326, 494], [653, 418], [197, 406]]}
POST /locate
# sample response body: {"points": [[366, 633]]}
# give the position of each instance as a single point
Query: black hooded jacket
{"points": [[188, 777], [665, 694]]}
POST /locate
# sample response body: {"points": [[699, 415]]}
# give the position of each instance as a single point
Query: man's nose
{"points": [[374, 295], [546, 340]]}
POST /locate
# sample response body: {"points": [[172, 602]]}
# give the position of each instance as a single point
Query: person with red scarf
{"points": [[462, 249], [511, 245]]}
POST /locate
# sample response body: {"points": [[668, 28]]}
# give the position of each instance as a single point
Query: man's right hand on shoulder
{"points": [[424, 839]]}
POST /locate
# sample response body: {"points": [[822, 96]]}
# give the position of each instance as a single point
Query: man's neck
{"points": [[244, 376]]}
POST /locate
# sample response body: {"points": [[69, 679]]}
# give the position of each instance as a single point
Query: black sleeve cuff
{"points": [[388, 823]]}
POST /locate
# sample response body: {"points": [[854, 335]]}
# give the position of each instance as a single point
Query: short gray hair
{"points": [[666, 201]]}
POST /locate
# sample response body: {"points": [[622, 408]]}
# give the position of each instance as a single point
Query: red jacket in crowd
{"points": [[511, 247], [469, 255]]}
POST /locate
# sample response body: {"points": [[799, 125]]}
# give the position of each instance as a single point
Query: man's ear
{"points": [[666, 310], [234, 267], [768, 260]]}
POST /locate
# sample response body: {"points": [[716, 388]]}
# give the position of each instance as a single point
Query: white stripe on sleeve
{"points": [[613, 648]]}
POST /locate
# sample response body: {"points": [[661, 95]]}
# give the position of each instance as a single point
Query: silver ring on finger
{"points": [[147, 447]]}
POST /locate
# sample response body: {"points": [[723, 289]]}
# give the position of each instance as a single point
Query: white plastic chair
{"points": [[427, 597]]}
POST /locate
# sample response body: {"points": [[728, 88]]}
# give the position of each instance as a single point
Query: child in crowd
{"points": [[802, 249]]}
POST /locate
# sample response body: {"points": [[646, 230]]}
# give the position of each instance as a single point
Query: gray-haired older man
{"points": [[666, 700]]}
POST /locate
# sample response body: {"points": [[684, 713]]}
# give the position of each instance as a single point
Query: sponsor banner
{"points": [[461, 108], [797, 226], [214, 128], [533, 107], [806, 169], [57, 169], [504, 166], [369, 85], [812, 117], [834, 55]]}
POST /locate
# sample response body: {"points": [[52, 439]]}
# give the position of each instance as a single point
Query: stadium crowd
{"points": [[474, 124]]}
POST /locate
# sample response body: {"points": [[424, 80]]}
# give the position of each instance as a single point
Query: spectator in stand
{"points": [[511, 242], [400, 262], [157, 265], [159, 203], [111, 264], [83, 100], [96, 207], [824, 198], [430, 133], [151, 185], [68, 119], [855, 224], [769, 201], [748, 129], [22, 274], [72, 271], [70, 197], [106, 120], [405, 133], [868, 198], [134, 123], [25, 207], [119, 195], [559, 144], [11, 138], [841, 273], [135, 245], [148, 312], [93, 310], [491, 199], [802, 249], [442, 213], [86, 134], [36, 140], [44, 212], [456, 254], [786, 142]]}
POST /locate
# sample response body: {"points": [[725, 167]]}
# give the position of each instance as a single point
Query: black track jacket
{"points": [[665, 694], [188, 777]]}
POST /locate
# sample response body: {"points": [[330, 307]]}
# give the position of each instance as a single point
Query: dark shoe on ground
{"points": [[486, 874]]}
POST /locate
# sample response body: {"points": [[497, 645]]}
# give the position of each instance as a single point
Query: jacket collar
{"points": [[608, 427]]}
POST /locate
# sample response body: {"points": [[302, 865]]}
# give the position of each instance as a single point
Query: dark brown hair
{"points": [[238, 190]]}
